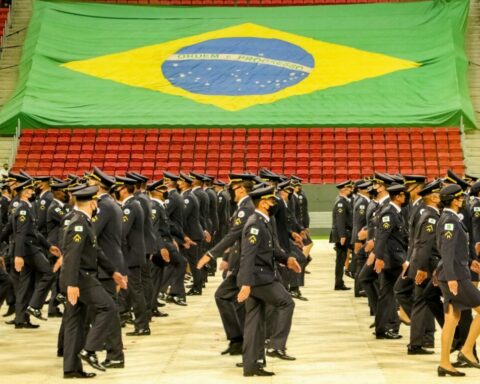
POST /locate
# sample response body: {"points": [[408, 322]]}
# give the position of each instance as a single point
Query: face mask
{"points": [[272, 210], [32, 198], [231, 191], [165, 195], [94, 212], [407, 200], [117, 195], [373, 193]]}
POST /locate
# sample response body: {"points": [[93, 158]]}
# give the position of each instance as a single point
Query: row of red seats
{"points": [[3, 22], [316, 154]]}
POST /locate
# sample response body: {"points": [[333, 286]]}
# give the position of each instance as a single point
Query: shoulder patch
{"points": [[252, 239], [476, 209], [254, 231], [449, 227], [385, 219], [241, 214], [340, 205], [300, 197], [43, 202], [460, 215], [22, 212], [432, 220], [429, 228], [167, 201], [220, 198], [154, 211], [15, 204], [77, 238], [66, 223], [421, 211], [361, 206], [187, 201], [57, 209], [78, 228], [126, 211]]}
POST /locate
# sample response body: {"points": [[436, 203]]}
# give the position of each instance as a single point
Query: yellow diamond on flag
{"points": [[241, 66]]}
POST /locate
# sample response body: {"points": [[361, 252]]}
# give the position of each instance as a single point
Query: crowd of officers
{"points": [[109, 251], [414, 248]]}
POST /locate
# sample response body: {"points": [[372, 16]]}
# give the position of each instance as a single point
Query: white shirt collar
{"points": [[265, 216], [158, 201], [383, 199], [103, 194], [43, 193], [59, 202], [417, 201], [399, 209], [365, 197], [81, 210], [186, 190], [241, 200], [451, 210], [196, 187], [128, 198], [7, 197]]}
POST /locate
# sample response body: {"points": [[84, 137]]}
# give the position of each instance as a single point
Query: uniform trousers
{"points": [[192, 256], [341, 257], [113, 342], [34, 283], [147, 286], [367, 279], [92, 295], [386, 317], [136, 297], [276, 295], [231, 311]]}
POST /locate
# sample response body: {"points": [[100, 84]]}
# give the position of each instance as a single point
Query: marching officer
{"points": [[79, 280], [342, 230], [259, 286]]}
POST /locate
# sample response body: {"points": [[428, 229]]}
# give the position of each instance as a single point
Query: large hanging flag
{"points": [[112, 65]]}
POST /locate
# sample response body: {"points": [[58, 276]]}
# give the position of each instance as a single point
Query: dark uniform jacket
{"points": [[223, 208], [359, 216], [213, 209], [108, 229], [161, 225], [82, 255], [391, 237], [133, 240], [41, 205], [425, 256], [146, 205], [204, 207], [174, 206], [233, 238], [372, 216], [301, 209], [342, 220], [55, 213], [22, 226], [414, 213], [191, 216], [260, 251], [4, 204], [452, 243], [475, 213]]}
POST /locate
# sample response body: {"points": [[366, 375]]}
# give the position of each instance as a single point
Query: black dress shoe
{"points": [[61, 298], [178, 301], [59, 352], [296, 294], [10, 322], [389, 335], [419, 351], [459, 364], [258, 372], [342, 288], [444, 372], [461, 357], [139, 332], [35, 313], [157, 313], [234, 349], [26, 325], [280, 353], [10, 311], [79, 375], [428, 345], [114, 363], [92, 359], [349, 274], [194, 292]]}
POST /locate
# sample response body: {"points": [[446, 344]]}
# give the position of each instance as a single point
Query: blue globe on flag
{"points": [[238, 66]]}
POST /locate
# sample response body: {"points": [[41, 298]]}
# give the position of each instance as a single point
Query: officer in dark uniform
{"points": [[475, 212], [79, 280], [107, 224], [423, 262], [166, 233], [55, 212], [174, 206], [223, 208], [204, 205], [212, 196], [231, 312], [133, 248], [391, 243], [193, 230], [259, 286], [44, 198], [359, 219], [302, 215], [29, 258], [340, 235], [141, 196], [7, 292]]}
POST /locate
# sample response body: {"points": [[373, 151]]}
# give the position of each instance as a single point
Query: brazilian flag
{"points": [[89, 64]]}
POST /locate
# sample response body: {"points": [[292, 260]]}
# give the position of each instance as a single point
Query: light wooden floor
{"points": [[330, 338]]}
